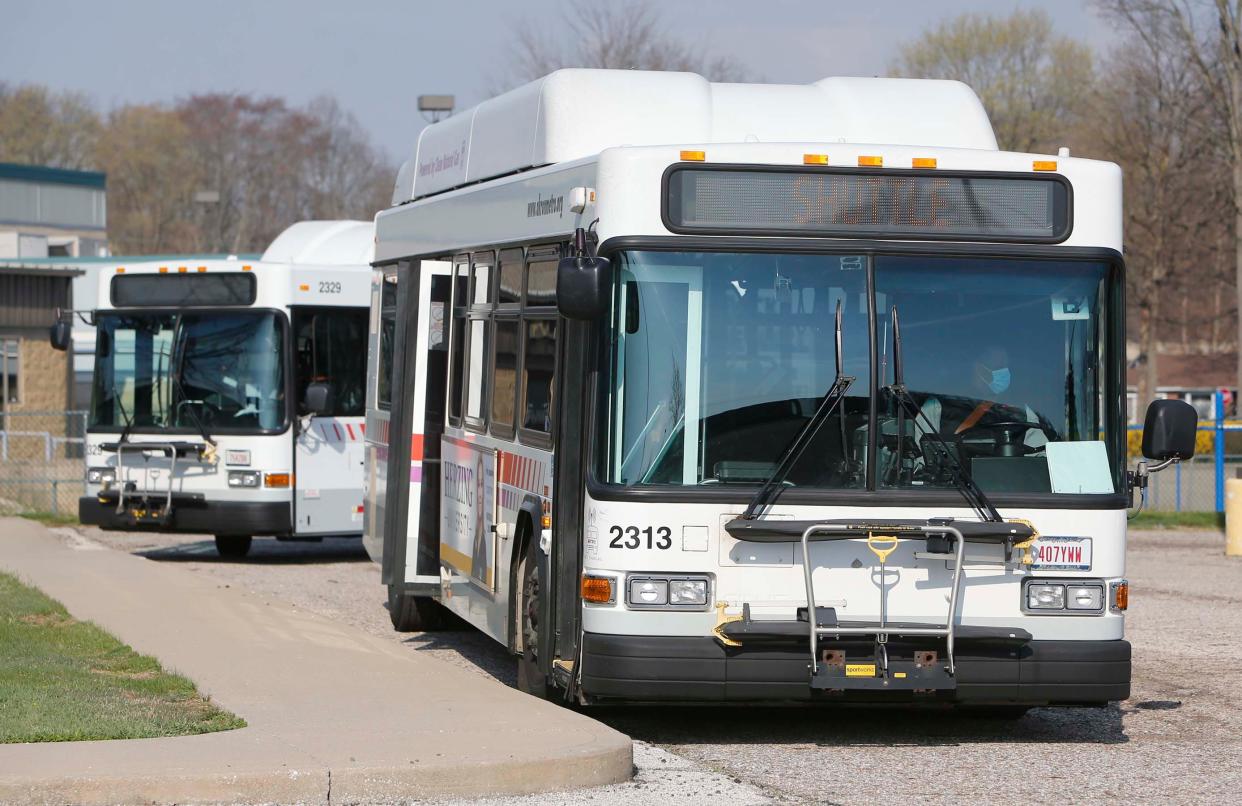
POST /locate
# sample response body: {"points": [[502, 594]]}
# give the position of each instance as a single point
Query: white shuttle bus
{"points": [[229, 396], [729, 392]]}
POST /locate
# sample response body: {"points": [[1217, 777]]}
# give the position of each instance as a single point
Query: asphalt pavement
{"points": [[1176, 740]]}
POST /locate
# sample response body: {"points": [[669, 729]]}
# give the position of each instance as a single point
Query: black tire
{"points": [[413, 613], [530, 678], [233, 546]]}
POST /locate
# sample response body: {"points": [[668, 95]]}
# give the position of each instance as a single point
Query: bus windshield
{"points": [[718, 359], [204, 370]]}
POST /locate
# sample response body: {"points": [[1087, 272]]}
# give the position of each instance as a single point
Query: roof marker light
{"points": [[163, 270], [870, 162], [814, 159], [245, 268], [923, 162], [694, 156], [202, 268], [1044, 165], [120, 270], [303, 287], [182, 270]]}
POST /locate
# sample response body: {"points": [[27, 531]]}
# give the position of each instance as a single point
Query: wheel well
{"points": [[523, 539]]}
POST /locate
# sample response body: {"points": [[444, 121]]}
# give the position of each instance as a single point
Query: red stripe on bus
{"points": [[416, 447]]}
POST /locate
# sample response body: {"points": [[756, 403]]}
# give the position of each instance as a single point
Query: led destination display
{"points": [[865, 203]]}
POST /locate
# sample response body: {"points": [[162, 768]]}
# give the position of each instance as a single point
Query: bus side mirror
{"points": [[61, 334], [582, 287], [1169, 430], [319, 399]]}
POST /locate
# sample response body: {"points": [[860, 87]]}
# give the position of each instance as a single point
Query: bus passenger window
{"points": [[387, 339], [475, 390], [538, 374], [458, 336], [510, 277], [504, 376], [541, 283]]}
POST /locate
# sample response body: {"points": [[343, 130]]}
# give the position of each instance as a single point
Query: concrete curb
{"points": [[334, 714]]}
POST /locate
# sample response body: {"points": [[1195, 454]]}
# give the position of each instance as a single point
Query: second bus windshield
{"points": [[720, 358]]}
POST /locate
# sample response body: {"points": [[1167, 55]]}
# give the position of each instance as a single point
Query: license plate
{"points": [[236, 457], [1055, 553]]}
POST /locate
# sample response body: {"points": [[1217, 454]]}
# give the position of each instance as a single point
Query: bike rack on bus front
{"points": [[170, 449], [831, 670], [920, 675]]}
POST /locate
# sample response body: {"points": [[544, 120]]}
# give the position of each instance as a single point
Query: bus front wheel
{"points": [[234, 546], [530, 677], [413, 613]]}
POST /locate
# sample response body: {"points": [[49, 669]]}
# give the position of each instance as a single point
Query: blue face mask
{"points": [[1000, 380]]}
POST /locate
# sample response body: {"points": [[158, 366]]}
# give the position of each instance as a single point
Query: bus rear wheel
{"points": [[234, 546], [413, 613], [530, 678]]}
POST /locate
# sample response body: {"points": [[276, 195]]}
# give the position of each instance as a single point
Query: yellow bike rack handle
{"points": [[882, 545]]}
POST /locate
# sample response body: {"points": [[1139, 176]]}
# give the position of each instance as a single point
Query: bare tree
{"points": [[1208, 33], [1032, 82], [39, 127], [1152, 114], [626, 35]]}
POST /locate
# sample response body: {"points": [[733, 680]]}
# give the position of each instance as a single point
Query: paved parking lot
{"points": [[1178, 739]]}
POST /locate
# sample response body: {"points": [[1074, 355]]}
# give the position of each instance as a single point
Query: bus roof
{"points": [[323, 243], [576, 113]]}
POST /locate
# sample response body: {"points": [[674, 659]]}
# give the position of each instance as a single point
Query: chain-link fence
{"points": [[42, 462], [43, 468]]}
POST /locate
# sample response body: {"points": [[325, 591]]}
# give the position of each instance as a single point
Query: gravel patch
{"points": [[1178, 739]]}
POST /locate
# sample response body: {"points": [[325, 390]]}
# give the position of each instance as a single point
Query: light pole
{"points": [[435, 106]]}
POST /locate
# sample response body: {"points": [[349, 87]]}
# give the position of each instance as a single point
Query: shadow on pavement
{"points": [[861, 727], [264, 551]]}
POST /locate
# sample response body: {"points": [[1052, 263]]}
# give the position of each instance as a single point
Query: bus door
{"points": [[329, 346]]}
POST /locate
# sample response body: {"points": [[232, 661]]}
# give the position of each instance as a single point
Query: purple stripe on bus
{"points": [[416, 474]]}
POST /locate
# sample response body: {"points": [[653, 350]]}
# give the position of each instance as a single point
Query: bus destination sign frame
{"points": [[901, 204]]}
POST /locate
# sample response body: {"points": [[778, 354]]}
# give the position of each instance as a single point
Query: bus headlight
{"points": [[1084, 597], [687, 592], [1066, 597], [1045, 597], [100, 475], [667, 592], [244, 478]]}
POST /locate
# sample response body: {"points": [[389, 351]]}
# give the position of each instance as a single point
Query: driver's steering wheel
{"points": [[1010, 434]]}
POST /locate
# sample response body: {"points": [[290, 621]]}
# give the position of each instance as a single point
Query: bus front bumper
{"points": [[695, 668], [194, 514]]}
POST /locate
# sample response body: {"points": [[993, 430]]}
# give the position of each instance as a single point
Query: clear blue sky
{"points": [[377, 56]]}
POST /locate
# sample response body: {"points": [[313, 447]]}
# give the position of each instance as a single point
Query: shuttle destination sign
{"points": [[868, 203]]}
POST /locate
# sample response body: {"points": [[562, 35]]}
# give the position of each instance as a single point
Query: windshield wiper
{"points": [[962, 480], [793, 452]]}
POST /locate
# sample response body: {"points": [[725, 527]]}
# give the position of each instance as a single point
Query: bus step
{"points": [[866, 675]]}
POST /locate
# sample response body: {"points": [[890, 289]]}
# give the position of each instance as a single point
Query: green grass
{"points": [[66, 680], [51, 518], [1178, 520]]}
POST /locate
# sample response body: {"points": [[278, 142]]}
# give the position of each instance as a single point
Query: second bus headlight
{"points": [[687, 591], [100, 475], [244, 478], [1045, 597]]}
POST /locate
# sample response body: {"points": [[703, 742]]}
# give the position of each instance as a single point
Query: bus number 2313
{"points": [[632, 537]]}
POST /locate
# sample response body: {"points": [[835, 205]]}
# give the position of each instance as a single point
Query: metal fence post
{"points": [[1177, 482], [1220, 450]]}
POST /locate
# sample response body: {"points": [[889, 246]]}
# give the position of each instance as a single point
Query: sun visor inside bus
{"points": [[178, 290]]}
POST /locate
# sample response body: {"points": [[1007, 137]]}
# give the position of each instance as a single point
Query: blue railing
{"points": [[1195, 470]]}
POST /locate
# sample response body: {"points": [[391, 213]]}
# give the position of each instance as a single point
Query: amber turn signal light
{"points": [[597, 590], [278, 480], [1121, 595]]}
